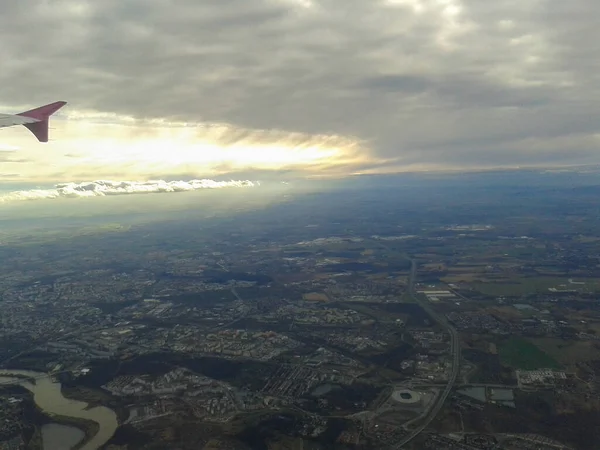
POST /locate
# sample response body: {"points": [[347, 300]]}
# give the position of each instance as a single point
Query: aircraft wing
{"points": [[35, 120], [7, 120]]}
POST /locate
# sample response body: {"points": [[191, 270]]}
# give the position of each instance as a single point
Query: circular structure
{"points": [[407, 397]]}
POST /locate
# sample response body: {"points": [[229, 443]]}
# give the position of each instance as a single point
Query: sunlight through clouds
{"points": [[349, 85], [145, 148]]}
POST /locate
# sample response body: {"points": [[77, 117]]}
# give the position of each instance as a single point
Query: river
{"points": [[60, 437], [49, 398]]}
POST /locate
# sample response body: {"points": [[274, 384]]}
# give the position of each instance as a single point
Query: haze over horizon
{"points": [[298, 87]]}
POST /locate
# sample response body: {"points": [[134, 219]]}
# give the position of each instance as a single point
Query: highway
{"points": [[454, 349]]}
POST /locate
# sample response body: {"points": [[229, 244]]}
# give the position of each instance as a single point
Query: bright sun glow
{"points": [[85, 145], [176, 152]]}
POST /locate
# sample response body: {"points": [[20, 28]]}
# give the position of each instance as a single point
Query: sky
{"points": [[251, 88]]}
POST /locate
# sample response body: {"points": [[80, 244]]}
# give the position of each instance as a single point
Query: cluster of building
{"points": [[432, 368], [46, 318], [588, 336], [179, 390], [461, 442], [262, 345], [178, 380], [169, 287], [11, 420], [475, 320], [427, 339], [383, 291], [487, 323], [486, 394], [323, 357], [93, 344], [349, 340], [165, 308], [128, 339], [72, 299], [329, 240], [394, 238], [530, 441], [541, 377], [437, 295], [148, 411], [472, 227], [14, 443], [314, 315], [290, 381]]}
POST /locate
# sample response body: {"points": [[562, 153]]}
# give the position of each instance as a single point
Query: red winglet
{"points": [[41, 114]]}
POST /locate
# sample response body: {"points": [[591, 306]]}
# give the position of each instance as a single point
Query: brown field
{"points": [[382, 277], [587, 239], [466, 269], [462, 278], [396, 418], [546, 272], [315, 297], [510, 313], [590, 316], [472, 264], [427, 256], [448, 422], [475, 341], [294, 277], [285, 443], [434, 266], [590, 327]]}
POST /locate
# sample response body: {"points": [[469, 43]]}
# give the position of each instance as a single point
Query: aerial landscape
{"points": [[405, 314], [299, 225]]}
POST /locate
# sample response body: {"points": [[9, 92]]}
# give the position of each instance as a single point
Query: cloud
{"points": [[9, 175], [119, 149], [10, 159], [103, 188], [419, 83]]}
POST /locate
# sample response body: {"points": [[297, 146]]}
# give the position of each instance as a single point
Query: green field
{"points": [[519, 353]]}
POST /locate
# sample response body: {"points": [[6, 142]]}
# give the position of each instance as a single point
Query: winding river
{"points": [[49, 398]]}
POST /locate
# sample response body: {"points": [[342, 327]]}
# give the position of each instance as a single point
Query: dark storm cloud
{"points": [[461, 83]]}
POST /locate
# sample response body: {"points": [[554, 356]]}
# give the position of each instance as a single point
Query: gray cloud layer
{"points": [[444, 82]]}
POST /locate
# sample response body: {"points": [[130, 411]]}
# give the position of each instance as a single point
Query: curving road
{"points": [[454, 349]]}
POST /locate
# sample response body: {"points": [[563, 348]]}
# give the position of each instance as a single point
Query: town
{"points": [[449, 335]]}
